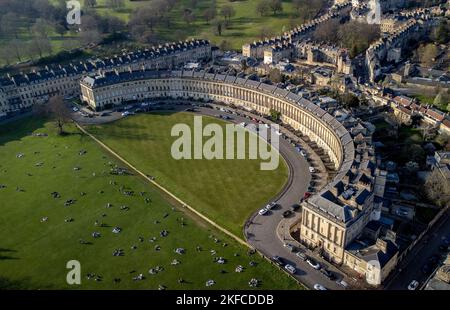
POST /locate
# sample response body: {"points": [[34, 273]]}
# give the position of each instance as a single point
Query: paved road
{"points": [[413, 264]]}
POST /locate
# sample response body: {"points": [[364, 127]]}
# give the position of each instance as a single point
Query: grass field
{"points": [[226, 191], [246, 25], [33, 254]]}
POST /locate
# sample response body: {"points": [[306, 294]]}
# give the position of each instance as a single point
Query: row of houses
{"points": [[405, 108], [18, 92], [256, 49]]}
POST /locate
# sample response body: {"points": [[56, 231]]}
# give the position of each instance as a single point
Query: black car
{"points": [[328, 274], [287, 213], [279, 261], [295, 207], [443, 248], [426, 268]]}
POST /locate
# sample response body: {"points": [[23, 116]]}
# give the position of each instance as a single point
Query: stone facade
{"points": [[19, 92]]}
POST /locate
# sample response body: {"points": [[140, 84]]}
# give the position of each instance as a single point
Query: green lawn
{"points": [[33, 254], [227, 191]]}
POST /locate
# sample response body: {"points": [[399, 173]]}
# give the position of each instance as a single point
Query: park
{"points": [[64, 198]]}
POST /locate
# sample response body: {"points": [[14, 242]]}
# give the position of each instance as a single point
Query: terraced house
{"points": [[19, 92]]}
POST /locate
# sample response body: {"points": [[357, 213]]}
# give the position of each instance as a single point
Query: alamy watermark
{"points": [[261, 146], [73, 16], [74, 275]]}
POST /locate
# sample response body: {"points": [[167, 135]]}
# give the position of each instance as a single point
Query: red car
{"points": [[306, 195]]}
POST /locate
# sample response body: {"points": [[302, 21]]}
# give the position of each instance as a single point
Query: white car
{"points": [[291, 269], [303, 153], [271, 205], [243, 124], [319, 287], [312, 170], [267, 125], [301, 255], [342, 283], [313, 264], [278, 133], [126, 113], [263, 211], [289, 246], [413, 285], [75, 109]]}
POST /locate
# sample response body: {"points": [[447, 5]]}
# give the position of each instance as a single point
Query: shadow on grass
{"points": [[9, 284], [17, 129], [6, 254]]}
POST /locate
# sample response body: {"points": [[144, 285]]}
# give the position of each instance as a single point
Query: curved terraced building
{"points": [[331, 219]]}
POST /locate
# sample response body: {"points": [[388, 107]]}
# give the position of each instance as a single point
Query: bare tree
{"points": [[57, 110], [262, 8], [227, 12], [90, 3], [209, 14], [437, 188]]}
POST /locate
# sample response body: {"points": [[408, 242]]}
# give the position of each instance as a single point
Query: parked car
{"points": [[413, 285], [342, 283], [295, 207], [289, 246], [306, 195], [287, 213], [303, 153], [313, 263], [263, 211], [126, 113], [319, 287], [278, 261], [312, 170], [271, 205], [328, 274], [75, 109], [291, 269], [301, 255], [426, 268]]}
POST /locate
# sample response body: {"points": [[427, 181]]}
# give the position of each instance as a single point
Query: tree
{"points": [[115, 4], [349, 100], [276, 6], [428, 54], [17, 47], [437, 188], [90, 3], [40, 46], [265, 32], [90, 37], [60, 29], [275, 115], [209, 14], [188, 16], [442, 33], [275, 75], [262, 8], [227, 11], [218, 27], [225, 45], [58, 111]]}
